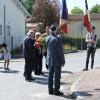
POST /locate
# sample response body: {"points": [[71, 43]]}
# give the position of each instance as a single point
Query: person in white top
{"points": [[7, 56], [91, 39]]}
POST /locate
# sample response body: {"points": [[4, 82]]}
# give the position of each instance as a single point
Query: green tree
{"points": [[95, 9], [28, 4], [46, 12], [76, 10]]}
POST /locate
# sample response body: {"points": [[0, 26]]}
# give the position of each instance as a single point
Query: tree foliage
{"points": [[28, 4], [76, 10], [46, 12], [95, 9]]}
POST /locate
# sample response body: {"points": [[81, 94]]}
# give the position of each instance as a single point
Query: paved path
{"points": [[88, 88], [14, 87]]}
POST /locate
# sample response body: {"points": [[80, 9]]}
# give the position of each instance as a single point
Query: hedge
{"points": [[76, 42]]}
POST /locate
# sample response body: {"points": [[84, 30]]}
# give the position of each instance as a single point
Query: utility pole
{"points": [[81, 36], [4, 23]]}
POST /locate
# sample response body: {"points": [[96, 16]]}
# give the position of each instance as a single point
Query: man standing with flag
{"points": [[63, 17], [91, 47], [90, 38]]}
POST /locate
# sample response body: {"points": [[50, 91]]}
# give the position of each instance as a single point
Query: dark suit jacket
{"points": [[55, 54], [28, 48]]}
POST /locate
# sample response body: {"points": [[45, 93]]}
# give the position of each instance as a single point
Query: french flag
{"points": [[86, 18], [63, 17]]}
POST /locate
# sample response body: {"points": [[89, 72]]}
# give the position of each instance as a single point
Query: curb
{"points": [[74, 92], [70, 51], [12, 60]]}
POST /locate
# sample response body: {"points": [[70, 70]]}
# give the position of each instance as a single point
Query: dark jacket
{"points": [[28, 47], [55, 54]]}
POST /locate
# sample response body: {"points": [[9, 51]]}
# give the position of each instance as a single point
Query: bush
{"points": [[74, 42], [68, 47]]}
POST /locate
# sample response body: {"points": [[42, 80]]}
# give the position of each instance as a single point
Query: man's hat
{"points": [[52, 27]]}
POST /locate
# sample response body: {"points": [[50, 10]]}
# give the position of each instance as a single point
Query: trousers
{"points": [[90, 51], [57, 71]]}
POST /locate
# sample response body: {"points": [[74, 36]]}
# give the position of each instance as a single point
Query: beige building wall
{"points": [[96, 23], [76, 28]]}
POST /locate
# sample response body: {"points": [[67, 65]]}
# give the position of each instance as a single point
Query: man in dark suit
{"points": [[55, 59], [28, 49]]}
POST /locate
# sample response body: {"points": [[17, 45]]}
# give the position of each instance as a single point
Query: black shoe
{"points": [[7, 68], [85, 69], [30, 79], [37, 73], [58, 93], [91, 67], [51, 93]]}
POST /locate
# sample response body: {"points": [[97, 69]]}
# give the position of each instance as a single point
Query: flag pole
{"points": [[81, 37]]}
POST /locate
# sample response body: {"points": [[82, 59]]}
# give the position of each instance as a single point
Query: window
{"points": [[8, 30], [0, 29]]}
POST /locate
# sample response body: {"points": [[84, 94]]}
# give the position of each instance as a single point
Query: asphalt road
{"points": [[14, 87], [76, 61]]}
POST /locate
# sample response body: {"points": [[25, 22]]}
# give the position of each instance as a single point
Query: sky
{"points": [[80, 3]]}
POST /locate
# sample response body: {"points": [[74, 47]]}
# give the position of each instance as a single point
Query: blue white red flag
{"points": [[63, 17], [86, 18]]}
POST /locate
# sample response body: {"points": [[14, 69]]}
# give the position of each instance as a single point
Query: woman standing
{"points": [[38, 54], [7, 56]]}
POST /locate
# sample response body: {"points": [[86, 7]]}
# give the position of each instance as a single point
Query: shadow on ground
{"points": [[97, 89], [1, 67], [69, 72], [67, 97], [82, 93], [41, 80], [10, 71]]}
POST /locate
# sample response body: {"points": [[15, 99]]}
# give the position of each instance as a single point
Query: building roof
{"points": [[19, 5], [93, 16]]}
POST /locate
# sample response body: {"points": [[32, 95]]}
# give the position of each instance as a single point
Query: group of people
{"points": [[50, 44], [5, 54], [34, 48]]}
